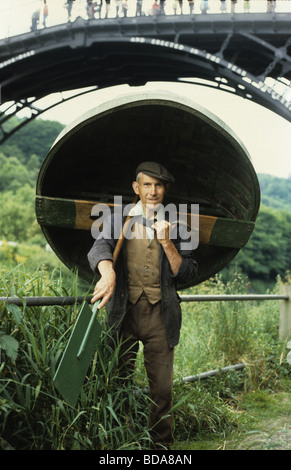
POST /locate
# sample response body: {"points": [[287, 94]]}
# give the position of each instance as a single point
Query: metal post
{"points": [[285, 313]]}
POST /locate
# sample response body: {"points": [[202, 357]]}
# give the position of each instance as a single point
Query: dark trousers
{"points": [[143, 322]]}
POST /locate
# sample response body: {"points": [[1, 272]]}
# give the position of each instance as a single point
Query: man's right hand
{"points": [[106, 284]]}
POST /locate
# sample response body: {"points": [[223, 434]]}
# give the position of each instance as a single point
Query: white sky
{"points": [[266, 135]]}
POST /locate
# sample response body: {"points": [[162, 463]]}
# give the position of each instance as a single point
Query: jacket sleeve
{"points": [[104, 244], [188, 270]]}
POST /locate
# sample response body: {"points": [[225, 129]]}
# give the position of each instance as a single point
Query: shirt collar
{"points": [[138, 209]]}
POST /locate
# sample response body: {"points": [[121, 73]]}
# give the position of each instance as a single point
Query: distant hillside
{"points": [[35, 138], [275, 192]]}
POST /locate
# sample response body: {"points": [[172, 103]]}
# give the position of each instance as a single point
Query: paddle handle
{"points": [[88, 331], [122, 235], [94, 310]]}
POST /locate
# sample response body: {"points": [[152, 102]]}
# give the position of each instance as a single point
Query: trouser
{"points": [[143, 322]]}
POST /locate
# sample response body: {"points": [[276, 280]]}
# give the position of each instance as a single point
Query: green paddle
{"points": [[82, 345]]}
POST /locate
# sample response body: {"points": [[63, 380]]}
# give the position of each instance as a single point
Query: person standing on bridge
{"points": [[35, 19], [246, 6], [139, 8], [125, 8], [271, 5], [139, 291], [117, 7], [175, 6], [181, 6], [45, 13], [232, 6], [191, 6], [155, 8], [107, 8], [162, 7], [90, 9], [204, 6], [69, 5], [223, 6]]}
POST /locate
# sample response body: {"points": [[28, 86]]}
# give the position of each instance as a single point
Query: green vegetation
{"points": [[268, 252], [264, 425], [275, 192], [111, 414], [31, 143]]}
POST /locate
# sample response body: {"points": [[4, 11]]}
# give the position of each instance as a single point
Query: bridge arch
{"points": [[237, 54]]}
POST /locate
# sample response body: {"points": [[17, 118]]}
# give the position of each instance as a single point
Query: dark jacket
{"points": [[116, 307]]}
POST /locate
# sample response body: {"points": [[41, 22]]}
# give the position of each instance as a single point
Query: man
{"points": [[140, 290], [139, 11], [35, 20], [69, 5], [191, 6]]}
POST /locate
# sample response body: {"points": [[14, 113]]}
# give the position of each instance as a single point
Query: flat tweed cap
{"points": [[156, 170]]}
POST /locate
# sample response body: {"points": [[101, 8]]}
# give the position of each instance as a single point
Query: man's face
{"points": [[150, 190]]}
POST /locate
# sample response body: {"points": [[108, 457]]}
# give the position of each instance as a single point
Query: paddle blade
{"points": [[79, 352]]}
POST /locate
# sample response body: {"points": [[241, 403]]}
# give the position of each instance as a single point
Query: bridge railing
{"points": [[16, 16]]}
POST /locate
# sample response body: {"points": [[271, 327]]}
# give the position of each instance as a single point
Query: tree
{"points": [[36, 138], [17, 215], [267, 253], [275, 192], [13, 174]]}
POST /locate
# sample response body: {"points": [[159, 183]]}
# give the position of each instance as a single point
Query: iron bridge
{"points": [[248, 55]]}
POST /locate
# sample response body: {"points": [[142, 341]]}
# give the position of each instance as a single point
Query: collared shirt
{"points": [[138, 210]]}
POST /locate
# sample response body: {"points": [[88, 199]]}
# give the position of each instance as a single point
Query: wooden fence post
{"points": [[285, 313]]}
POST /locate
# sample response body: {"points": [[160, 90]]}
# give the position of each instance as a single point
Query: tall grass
{"points": [[111, 414], [33, 415], [222, 333]]}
